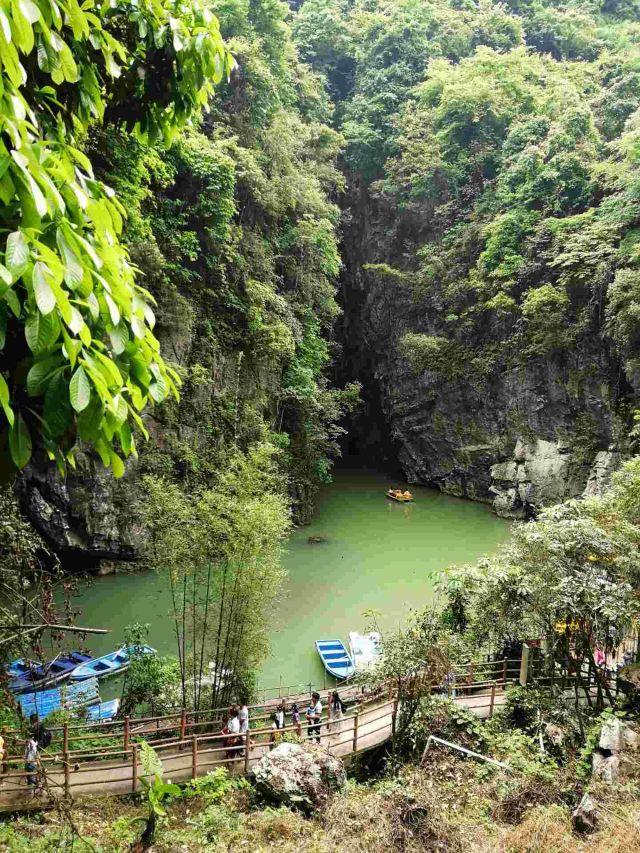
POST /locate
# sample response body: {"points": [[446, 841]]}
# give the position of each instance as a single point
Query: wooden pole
{"points": [[247, 747], [134, 767], [127, 733], [67, 772], [524, 665], [183, 724], [65, 737], [280, 687], [394, 717], [470, 676], [504, 671], [194, 757], [355, 732], [493, 698]]}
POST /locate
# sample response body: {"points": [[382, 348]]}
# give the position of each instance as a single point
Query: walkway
{"points": [[191, 747]]}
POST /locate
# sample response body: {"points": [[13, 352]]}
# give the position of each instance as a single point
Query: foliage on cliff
{"points": [[499, 143], [235, 231]]}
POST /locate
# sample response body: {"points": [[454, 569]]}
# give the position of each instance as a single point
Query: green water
{"points": [[376, 555]]}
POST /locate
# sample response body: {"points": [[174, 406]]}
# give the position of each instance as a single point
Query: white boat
{"points": [[365, 649]]}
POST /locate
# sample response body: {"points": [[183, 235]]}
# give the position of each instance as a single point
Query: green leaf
{"points": [[41, 332], [20, 442], [40, 373], [57, 412], [17, 253], [45, 297], [119, 338], [117, 465], [5, 400], [79, 390]]}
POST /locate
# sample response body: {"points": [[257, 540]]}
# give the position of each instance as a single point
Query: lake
{"points": [[376, 555]]}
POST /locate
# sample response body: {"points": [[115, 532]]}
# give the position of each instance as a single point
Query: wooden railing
{"points": [[101, 758]]}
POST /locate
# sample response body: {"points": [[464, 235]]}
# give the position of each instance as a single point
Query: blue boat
{"points": [[20, 666], [48, 674], [44, 702], [110, 664], [335, 658], [103, 712]]}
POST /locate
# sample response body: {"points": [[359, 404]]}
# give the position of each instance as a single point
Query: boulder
{"points": [[605, 767], [299, 777], [584, 817], [611, 739]]}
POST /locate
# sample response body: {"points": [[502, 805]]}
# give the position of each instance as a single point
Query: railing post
{"points": [[134, 767], [394, 717], [493, 698], [355, 731], [247, 746], [194, 757], [67, 772], [280, 687], [524, 665], [470, 676], [183, 724], [504, 671], [127, 733], [65, 738]]}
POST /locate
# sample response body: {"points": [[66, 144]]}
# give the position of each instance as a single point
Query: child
{"points": [[295, 719], [30, 759]]}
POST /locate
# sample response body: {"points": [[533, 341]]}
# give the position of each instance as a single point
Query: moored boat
{"points": [[103, 712], [111, 664], [400, 496], [44, 702], [20, 666], [365, 649], [46, 675], [335, 658]]}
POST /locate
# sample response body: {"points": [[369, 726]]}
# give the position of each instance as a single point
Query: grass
{"points": [[450, 806]]}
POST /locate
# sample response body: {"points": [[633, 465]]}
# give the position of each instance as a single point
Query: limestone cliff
{"points": [[521, 434]]}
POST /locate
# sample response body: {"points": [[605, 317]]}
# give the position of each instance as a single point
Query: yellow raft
{"points": [[400, 496]]}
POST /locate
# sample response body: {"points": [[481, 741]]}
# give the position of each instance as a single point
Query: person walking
{"points": [[243, 717], [337, 707], [295, 719], [314, 716], [233, 728], [280, 714], [30, 761]]}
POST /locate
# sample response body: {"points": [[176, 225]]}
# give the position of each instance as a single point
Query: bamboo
{"points": [[134, 767], [65, 738], [183, 725], [194, 757], [127, 733]]}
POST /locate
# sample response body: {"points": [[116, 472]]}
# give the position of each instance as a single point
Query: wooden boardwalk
{"points": [[188, 750]]}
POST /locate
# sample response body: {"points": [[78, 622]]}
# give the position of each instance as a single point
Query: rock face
{"points": [[617, 748], [517, 431], [298, 777]]}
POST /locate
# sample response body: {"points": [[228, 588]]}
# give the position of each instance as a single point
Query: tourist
{"points": [[280, 714], [337, 707], [30, 760], [275, 736], [314, 716], [295, 719], [599, 658], [233, 728], [243, 717]]}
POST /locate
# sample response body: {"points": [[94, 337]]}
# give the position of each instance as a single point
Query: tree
{"points": [[219, 549], [80, 359], [570, 577]]}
